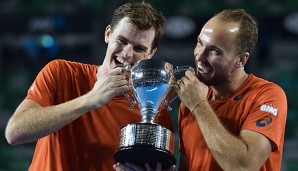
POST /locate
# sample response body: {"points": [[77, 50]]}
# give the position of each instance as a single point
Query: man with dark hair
{"points": [[228, 119], [75, 111]]}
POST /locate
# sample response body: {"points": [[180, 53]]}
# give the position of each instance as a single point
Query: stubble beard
{"points": [[215, 80]]}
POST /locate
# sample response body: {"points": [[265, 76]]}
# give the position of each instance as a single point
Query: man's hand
{"points": [[190, 90], [108, 85]]}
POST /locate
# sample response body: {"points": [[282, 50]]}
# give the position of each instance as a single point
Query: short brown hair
{"points": [[143, 16], [248, 31]]}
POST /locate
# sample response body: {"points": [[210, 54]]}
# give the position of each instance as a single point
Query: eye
{"points": [[214, 52], [139, 49], [199, 43], [121, 41]]}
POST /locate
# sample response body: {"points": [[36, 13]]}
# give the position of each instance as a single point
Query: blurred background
{"points": [[33, 32]]}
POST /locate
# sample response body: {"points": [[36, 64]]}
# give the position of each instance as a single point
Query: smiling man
{"points": [[228, 119], [75, 111]]}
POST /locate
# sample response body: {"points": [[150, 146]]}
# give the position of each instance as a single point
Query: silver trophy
{"points": [[148, 142]]}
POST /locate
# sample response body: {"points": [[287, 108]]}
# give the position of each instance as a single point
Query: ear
{"points": [[243, 58], [152, 52], [108, 33]]}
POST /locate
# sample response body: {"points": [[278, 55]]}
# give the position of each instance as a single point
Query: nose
{"points": [[127, 51], [198, 52]]}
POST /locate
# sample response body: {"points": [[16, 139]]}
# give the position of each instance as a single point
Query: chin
{"points": [[208, 81], [202, 77]]}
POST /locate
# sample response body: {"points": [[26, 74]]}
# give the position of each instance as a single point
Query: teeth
{"points": [[203, 68], [119, 59]]}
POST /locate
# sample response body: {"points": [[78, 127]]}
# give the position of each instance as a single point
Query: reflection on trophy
{"points": [[148, 142]]}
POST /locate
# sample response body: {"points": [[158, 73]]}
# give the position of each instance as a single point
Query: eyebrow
{"points": [[136, 45], [210, 46]]}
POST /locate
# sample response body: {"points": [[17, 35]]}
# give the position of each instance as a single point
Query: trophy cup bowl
{"points": [[148, 142]]}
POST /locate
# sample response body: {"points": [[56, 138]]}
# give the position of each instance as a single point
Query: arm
{"points": [[31, 121], [249, 151]]}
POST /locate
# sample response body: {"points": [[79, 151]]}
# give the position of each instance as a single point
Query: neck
{"points": [[225, 90]]}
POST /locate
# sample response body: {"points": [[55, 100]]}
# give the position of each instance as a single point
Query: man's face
{"points": [[215, 55], [127, 45]]}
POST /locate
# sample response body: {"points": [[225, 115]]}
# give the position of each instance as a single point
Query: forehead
{"points": [[219, 33], [130, 32]]}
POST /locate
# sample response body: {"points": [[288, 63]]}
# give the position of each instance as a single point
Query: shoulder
{"points": [[267, 94], [63, 62], [62, 65], [261, 86], [56, 65]]}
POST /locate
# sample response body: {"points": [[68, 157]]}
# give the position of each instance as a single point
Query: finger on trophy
{"points": [[169, 68], [127, 75], [172, 82], [134, 166], [178, 82], [158, 167], [119, 167], [130, 86], [125, 70]]}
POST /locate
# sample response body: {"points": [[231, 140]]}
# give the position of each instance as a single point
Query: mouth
{"points": [[121, 63], [204, 68]]}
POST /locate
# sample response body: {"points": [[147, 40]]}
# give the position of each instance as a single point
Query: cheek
{"points": [[138, 57], [227, 67], [222, 67], [114, 46]]}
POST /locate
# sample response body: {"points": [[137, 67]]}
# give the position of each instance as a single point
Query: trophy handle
{"points": [[177, 70], [167, 103], [133, 102], [180, 69]]}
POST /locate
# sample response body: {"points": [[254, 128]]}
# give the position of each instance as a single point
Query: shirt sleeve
{"points": [[268, 114], [44, 86]]}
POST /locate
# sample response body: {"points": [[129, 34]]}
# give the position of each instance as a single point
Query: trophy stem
{"points": [[148, 115]]}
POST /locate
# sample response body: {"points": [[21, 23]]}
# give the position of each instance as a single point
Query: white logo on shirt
{"points": [[269, 108], [32, 89]]}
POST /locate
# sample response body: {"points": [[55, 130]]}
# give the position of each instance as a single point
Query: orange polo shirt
{"points": [[257, 105], [89, 142]]}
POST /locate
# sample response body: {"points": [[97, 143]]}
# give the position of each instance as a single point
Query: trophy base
{"points": [[142, 143], [141, 154]]}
